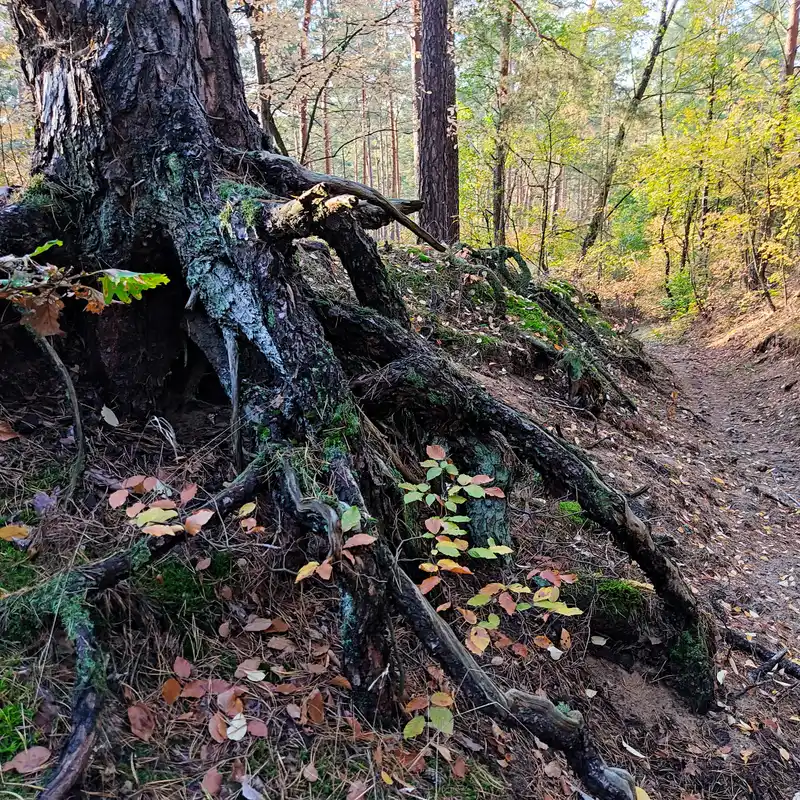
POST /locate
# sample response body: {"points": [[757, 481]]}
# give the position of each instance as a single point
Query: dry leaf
{"points": [[306, 571], [470, 616], [159, 530], [142, 721], [7, 433], [237, 730], [188, 492], [195, 522], [229, 701], [310, 773], [135, 509], [182, 668], [109, 417], [217, 727], [324, 570], [315, 707], [565, 640], [257, 728], [118, 498], [459, 768], [166, 504], [195, 689], [28, 761], [224, 630], [341, 682], [435, 452], [552, 769], [358, 789], [359, 540], [9, 532], [429, 583], [258, 624], [441, 699], [542, 641], [478, 640], [507, 603], [171, 690], [279, 643], [212, 781], [202, 564], [519, 649], [417, 704], [278, 626]]}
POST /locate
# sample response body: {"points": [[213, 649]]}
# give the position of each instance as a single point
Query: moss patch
{"points": [[17, 707], [693, 666], [571, 509], [15, 569], [532, 317], [619, 597]]}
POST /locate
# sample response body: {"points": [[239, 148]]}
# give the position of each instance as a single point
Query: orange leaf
{"points": [[142, 721], [507, 603], [470, 616], [565, 639], [492, 588], [419, 703], [494, 491], [443, 606], [171, 690], [218, 727], [341, 682], [435, 452], [429, 583], [278, 625], [551, 576], [482, 479], [195, 522], [182, 668], [158, 530], [519, 649], [543, 642], [359, 540], [315, 706], [42, 314], [132, 511], [453, 566], [324, 570], [168, 504], [118, 498], [570, 577], [7, 433], [188, 492]]}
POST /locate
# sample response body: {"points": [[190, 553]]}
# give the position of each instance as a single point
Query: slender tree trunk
{"points": [[416, 75], [598, 215], [500, 144], [304, 52], [438, 162]]}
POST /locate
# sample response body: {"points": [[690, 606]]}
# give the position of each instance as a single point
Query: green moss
{"points": [[344, 423], [572, 510], [250, 210], [15, 569], [17, 707], [693, 667], [38, 193], [532, 317], [619, 597], [415, 379], [178, 590]]}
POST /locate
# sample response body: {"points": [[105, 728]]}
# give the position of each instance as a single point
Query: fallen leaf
{"points": [[157, 515], [554, 652], [135, 509], [224, 630], [160, 530], [310, 773], [315, 707], [202, 564], [134, 483], [324, 570], [470, 616], [142, 721], [9, 532], [109, 417], [279, 643], [306, 571], [459, 768], [229, 701], [436, 452], [565, 640], [598, 640], [478, 640], [590, 693], [168, 504], [419, 703], [641, 794], [443, 607], [341, 682], [258, 624], [359, 540], [429, 583], [171, 690], [212, 781], [7, 433], [542, 641], [118, 498], [237, 730], [195, 522], [441, 719], [507, 603], [188, 493], [28, 761], [387, 778], [246, 510], [256, 676], [257, 728], [632, 750], [182, 668], [552, 769], [441, 699], [519, 649], [195, 689]]}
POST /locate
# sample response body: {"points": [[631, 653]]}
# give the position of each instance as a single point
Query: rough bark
{"points": [[500, 145], [438, 142]]}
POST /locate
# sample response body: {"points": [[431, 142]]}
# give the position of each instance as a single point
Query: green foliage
{"points": [[17, 707], [16, 571], [123, 285], [619, 597], [532, 317], [572, 510]]}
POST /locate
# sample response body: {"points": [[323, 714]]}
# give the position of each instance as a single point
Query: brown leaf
{"points": [[542, 641], [212, 781], [195, 689], [444, 606], [324, 570], [171, 690], [341, 682], [224, 630], [359, 540], [135, 509], [142, 721], [470, 616], [293, 710], [118, 498], [416, 704], [429, 583], [188, 492], [166, 503], [7, 433], [218, 727], [315, 706], [279, 626], [182, 668], [279, 643], [258, 624], [358, 789], [459, 768], [507, 603], [229, 701], [195, 522], [42, 314], [286, 688], [551, 576], [310, 773], [435, 452], [565, 639], [134, 483], [28, 761], [257, 728], [202, 564]]}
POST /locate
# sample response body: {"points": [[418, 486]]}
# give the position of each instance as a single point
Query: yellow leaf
{"points": [[641, 794], [9, 532], [155, 515], [546, 593], [246, 510], [306, 571]]}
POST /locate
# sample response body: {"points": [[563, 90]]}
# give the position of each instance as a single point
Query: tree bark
{"points": [[438, 140], [500, 145]]}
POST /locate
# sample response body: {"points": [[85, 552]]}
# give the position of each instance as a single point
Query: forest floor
{"points": [[714, 444]]}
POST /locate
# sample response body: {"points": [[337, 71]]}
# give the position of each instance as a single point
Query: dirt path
{"points": [[746, 414]]}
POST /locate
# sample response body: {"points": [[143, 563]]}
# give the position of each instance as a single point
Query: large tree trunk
{"points": [[144, 122], [438, 138]]}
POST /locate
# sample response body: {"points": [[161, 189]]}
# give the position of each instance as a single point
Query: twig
{"points": [[232, 350], [77, 425]]}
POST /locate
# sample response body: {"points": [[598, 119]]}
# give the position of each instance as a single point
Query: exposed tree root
{"points": [[741, 642], [78, 465]]}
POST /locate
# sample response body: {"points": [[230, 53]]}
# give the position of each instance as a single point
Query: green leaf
{"points": [[124, 285], [481, 552], [460, 519], [453, 490], [430, 499], [43, 248], [441, 719], [492, 623], [458, 499], [464, 479], [451, 469], [448, 549], [412, 497], [423, 487], [523, 606], [351, 519], [414, 727], [429, 463], [479, 600], [409, 487], [155, 515], [557, 607], [473, 490], [451, 506], [433, 472]]}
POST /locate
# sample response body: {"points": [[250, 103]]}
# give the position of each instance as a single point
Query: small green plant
{"points": [[15, 712]]}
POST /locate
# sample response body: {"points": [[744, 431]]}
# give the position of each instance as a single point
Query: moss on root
{"points": [[532, 317], [619, 598], [693, 668]]}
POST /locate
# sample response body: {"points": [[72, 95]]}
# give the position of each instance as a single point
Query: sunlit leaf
{"points": [[441, 719], [414, 727]]}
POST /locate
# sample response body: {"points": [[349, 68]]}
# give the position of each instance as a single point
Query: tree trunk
{"points": [[438, 150], [416, 75], [598, 215], [500, 145], [304, 42]]}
